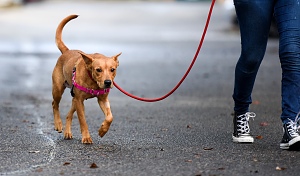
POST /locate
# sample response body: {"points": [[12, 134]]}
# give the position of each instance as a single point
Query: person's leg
{"points": [[254, 19], [287, 14]]}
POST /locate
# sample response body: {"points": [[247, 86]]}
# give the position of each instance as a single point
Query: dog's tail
{"points": [[58, 39]]}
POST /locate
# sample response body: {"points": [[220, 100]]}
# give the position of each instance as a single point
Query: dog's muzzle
{"points": [[107, 83]]}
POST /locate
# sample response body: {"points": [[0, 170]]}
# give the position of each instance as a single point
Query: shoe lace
{"points": [[293, 126], [243, 122]]}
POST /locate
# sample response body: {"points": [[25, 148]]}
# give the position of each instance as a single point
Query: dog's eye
{"points": [[112, 70], [98, 70]]}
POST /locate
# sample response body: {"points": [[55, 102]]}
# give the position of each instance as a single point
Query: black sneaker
{"points": [[241, 130], [291, 138]]}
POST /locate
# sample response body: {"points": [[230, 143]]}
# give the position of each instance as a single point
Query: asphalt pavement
{"points": [[189, 133]]}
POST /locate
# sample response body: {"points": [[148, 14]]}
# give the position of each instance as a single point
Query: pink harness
{"points": [[87, 90]]}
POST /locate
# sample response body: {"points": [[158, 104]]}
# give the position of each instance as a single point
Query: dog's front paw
{"points": [[58, 126], [87, 140], [103, 129], [68, 135]]}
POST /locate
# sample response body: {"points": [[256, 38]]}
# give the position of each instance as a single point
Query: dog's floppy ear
{"points": [[87, 59], [115, 57]]}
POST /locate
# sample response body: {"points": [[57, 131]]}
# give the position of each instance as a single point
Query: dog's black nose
{"points": [[107, 83]]}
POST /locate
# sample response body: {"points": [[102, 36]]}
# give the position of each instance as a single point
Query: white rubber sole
{"points": [[243, 139], [293, 144]]}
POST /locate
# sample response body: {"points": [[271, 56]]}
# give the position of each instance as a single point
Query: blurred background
{"points": [[25, 23], [28, 30], [28, 26], [147, 29]]}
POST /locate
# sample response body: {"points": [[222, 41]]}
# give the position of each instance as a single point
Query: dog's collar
{"points": [[84, 89]]}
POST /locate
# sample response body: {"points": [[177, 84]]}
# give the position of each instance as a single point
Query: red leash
{"points": [[187, 72]]}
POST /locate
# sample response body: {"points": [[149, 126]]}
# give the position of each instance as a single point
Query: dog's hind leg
{"points": [[105, 106], [57, 91], [68, 131]]}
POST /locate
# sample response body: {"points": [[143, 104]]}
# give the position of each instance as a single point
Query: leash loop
{"points": [[186, 73]]}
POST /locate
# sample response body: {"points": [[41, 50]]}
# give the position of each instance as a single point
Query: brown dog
{"points": [[88, 76]]}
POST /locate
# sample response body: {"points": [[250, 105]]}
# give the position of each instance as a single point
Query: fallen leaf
{"points": [[221, 168], [207, 148], [188, 161], [93, 166], [280, 168], [188, 126], [197, 155], [263, 124], [66, 163], [255, 102], [39, 170], [259, 137]]}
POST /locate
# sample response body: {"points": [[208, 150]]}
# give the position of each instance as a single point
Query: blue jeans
{"points": [[254, 18]]}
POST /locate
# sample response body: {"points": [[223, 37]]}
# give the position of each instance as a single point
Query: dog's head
{"points": [[103, 69]]}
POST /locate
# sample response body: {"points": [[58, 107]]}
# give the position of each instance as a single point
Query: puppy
{"points": [[88, 76]]}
